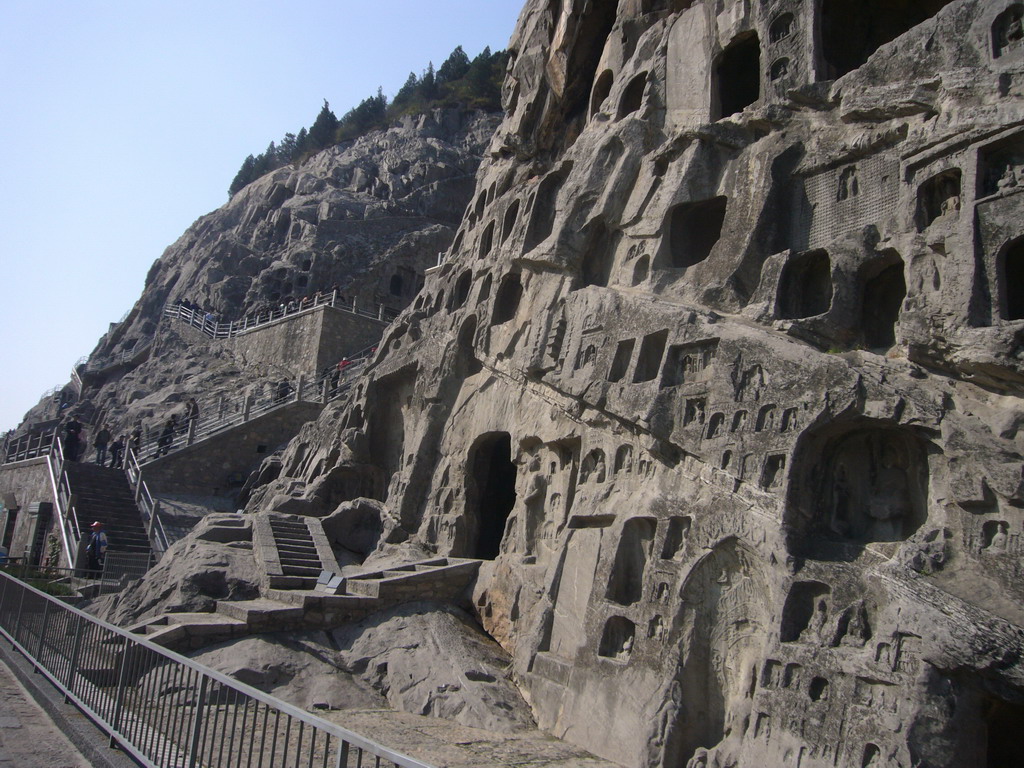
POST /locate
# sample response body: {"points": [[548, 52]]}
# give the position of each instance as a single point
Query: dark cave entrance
{"points": [[492, 492], [882, 301], [1012, 279], [852, 30], [738, 76], [806, 286], [1003, 747]]}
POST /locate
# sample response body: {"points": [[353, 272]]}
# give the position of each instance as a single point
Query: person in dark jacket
{"points": [[117, 452], [72, 436], [167, 436], [97, 549], [100, 441]]}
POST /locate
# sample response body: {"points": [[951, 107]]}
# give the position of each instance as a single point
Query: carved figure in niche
{"points": [[869, 486], [1008, 179], [750, 384], [624, 459], [853, 630], [593, 467], [627, 648], [889, 502], [999, 538], [814, 631], [533, 490], [849, 186], [1008, 31]]}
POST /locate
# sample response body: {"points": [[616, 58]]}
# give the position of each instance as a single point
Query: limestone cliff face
{"points": [[724, 372], [367, 216]]}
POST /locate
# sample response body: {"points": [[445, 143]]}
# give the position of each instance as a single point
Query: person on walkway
{"points": [[117, 452], [100, 441], [167, 436], [97, 549], [191, 415], [72, 435], [283, 388]]}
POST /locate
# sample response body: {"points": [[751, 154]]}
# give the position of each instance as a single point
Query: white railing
{"points": [[64, 503], [149, 507], [120, 681], [204, 321]]}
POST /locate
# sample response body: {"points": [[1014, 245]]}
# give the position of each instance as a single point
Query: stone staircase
{"points": [[350, 599], [103, 494], [292, 549]]}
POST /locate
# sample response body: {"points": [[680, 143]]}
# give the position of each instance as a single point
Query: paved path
{"points": [[28, 737], [445, 743]]}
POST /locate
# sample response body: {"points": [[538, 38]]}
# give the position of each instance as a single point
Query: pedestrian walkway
{"points": [[28, 737]]}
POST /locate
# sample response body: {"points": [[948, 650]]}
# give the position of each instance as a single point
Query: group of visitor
{"points": [[286, 306]]}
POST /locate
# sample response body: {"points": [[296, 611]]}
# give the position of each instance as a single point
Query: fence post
{"points": [[42, 631], [119, 706], [17, 620], [300, 385], [247, 408], [380, 312], [353, 303], [73, 666], [197, 723], [191, 432], [334, 296]]}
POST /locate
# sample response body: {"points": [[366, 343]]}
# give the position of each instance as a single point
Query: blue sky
{"points": [[124, 121]]}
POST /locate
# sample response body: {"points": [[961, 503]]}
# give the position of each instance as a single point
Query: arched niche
{"points": [[805, 613], [542, 219], [602, 87], [857, 482], [395, 286], [490, 492], [466, 347], [626, 583], [633, 96], [511, 217], [737, 77], [805, 288], [487, 240], [598, 250], [884, 289], [691, 231], [506, 300], [781, 27], [461, 292], [852, 30], [724, 630], [617, 638], [1010, 269], [1008, 31], [938, 197]]}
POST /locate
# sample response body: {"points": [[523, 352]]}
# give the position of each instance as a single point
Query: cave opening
{"points": [[880, 308], [852, 30], [806, 286], [492, 491], [1012, 281], [738, 76], [1003, 745], [693, 230]]}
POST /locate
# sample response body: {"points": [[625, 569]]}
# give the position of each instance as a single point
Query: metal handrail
{"points": [[66, 513], [149, 506], [218, 330], [120, 680]]}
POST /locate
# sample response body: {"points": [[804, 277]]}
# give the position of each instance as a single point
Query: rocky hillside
{"points": [[724, 373], [367, 217]]}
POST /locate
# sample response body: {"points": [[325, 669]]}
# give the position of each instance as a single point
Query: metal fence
{"points": [[166, 710], [205, 322]]}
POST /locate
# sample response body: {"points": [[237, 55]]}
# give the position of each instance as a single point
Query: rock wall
{"points": [[723, 372]]}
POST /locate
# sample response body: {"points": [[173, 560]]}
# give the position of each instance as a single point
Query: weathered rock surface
{"points": [[724, 372], [214, 562]]}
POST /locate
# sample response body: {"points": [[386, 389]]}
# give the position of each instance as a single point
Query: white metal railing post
{"points": [[69, 684], [191, 438], [42, 633], [300, 386], [247, 407], [380, 312]]}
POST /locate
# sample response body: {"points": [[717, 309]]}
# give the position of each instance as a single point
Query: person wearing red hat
{"points": [[97, 550]]}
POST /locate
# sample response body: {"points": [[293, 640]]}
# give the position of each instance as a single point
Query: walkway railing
{"points": [[164, 709], [217, 330], [148, 506], [221, 413], [64, 504], [29, 447]]}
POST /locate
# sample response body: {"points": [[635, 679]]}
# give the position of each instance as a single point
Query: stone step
{"points": [[262, 615], [182, 631]]}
